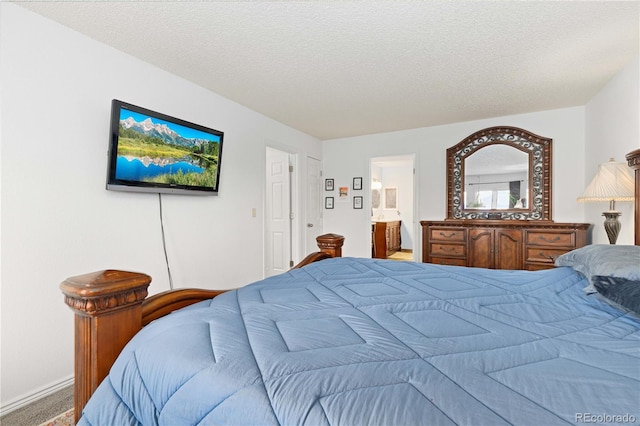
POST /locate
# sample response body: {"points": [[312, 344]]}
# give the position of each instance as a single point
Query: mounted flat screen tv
{"points": [[153, 152]]}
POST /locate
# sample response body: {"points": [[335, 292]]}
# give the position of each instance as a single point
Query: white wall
{"points": [[613, 130], [350, 157], [57, 218]]}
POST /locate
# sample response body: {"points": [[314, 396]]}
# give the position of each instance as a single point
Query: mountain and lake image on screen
{"points": [[153, 152]]}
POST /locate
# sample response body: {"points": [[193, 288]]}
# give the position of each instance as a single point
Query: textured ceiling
{"points": [[336, 69]]}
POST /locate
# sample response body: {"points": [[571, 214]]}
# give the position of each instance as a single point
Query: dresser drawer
{"points": [[457, 250], [552, 239], [448, 234], [542, 254], [449, 261]]}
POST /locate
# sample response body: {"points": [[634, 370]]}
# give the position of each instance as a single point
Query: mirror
{"points": [[496, 177], [500, 173]]}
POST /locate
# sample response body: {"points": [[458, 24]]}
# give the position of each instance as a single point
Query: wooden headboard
{"points": [[633, 159]]}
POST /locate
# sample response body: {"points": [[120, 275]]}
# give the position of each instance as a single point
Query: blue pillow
{"points": [[603, 260], [621, 291]]}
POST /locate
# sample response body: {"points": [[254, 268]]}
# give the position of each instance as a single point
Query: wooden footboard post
{"points": [[107, 306], [331, 244]]}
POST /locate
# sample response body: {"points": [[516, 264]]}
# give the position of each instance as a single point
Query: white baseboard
{"points": [[35, 395]]}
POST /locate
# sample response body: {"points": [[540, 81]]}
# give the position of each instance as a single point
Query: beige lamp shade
{"points": [[613, 182]]}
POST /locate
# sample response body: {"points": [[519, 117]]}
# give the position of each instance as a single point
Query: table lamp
{"points": [[612, 183]]}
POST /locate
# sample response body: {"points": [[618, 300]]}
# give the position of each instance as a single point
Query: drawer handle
{"points": [[545, 239], [448, 249], [547, 256], [442, 234]]}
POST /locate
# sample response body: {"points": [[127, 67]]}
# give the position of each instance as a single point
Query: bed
{"points": [[348, 341]]}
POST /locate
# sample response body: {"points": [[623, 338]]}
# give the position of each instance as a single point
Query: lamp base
{"points": [[612, 225]]}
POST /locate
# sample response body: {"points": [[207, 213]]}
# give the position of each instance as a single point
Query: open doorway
{"points": [[392, 207]]}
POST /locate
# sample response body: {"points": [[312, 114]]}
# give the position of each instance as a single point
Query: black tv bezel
{"points": [[150, 187]]}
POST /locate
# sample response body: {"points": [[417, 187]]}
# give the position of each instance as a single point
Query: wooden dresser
{"points": [[500, 244]]}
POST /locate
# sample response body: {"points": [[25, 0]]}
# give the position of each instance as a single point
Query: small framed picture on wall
{"points": [[328, 202], [357, 202], [343, 192], [328, 184], [357, 183]]}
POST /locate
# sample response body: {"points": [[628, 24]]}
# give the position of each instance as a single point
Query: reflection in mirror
{"points": [[496, 177], [375, 198]]}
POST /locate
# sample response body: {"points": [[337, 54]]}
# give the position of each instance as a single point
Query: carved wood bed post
{"points": [[108, 312], [331, 244], [633, 160], [111, 307]]}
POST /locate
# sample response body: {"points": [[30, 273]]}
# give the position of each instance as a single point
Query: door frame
{"points": [[415, 223], [310, 245]]}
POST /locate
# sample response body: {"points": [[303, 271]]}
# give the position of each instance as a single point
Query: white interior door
{"points": [[278, 213], [313, 210]]}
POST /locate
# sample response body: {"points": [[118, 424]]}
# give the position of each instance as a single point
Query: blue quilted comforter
{"points": [[361, 341]]}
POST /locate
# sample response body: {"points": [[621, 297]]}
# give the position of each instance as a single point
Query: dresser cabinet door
{"points": [[495, 248], [394, 239], [481, 247], [508, 249]]}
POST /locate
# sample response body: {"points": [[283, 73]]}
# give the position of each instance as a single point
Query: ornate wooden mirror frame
{"points": [[539, 151]]}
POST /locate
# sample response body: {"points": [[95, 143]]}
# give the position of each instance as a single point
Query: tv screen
{"points": [[153, 152]]}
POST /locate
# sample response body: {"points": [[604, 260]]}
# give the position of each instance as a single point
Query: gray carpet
{"points": [[42, 410]]}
